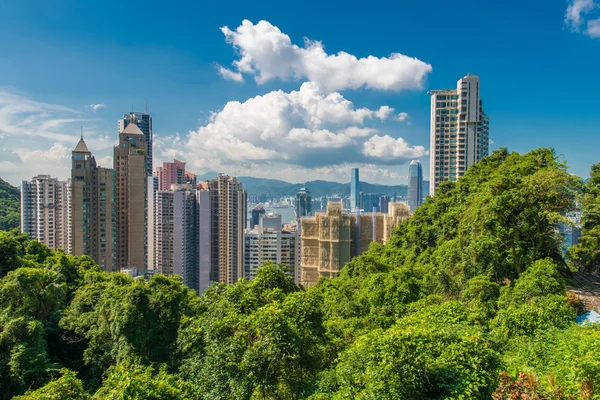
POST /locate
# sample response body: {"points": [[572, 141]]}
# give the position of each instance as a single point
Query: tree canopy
{"points": [[467, 300]]}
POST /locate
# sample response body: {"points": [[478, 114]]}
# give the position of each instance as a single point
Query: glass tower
{"points": [[415, 185], [354, 189]]}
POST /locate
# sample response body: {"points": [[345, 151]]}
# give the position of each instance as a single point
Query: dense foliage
{"points": [[10, 206], [467, 301]]}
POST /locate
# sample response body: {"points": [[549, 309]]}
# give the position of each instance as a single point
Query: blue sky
{"points": [[537, 60]]}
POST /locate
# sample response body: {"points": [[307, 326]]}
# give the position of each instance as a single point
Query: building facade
{"points": [[173, 173], [459, 131], [257, 212], [143, 121], [45, 211], [130, 165], [269, 241], [354, 189], [330, 240], [175, 233], [415, 185], [228, 221], [93, 212]]}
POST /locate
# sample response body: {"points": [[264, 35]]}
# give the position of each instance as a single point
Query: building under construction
{"points": [[330, 239]]}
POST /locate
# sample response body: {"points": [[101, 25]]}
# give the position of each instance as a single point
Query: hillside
{"points": [[318, 188], [467, 300], [10, 206]]}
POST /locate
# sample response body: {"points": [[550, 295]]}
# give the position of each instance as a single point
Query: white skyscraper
{"points": [[46, 211], [459, 132], [268, 241]]}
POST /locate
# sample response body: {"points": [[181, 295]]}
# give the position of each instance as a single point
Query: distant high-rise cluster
{"points": [[459, 133], [140, 220]]}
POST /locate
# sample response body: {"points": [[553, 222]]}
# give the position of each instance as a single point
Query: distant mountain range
{"points": [[318, 188]]}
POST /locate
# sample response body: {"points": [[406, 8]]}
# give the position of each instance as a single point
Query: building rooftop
{"points": [[132, 129], [81, 147]]}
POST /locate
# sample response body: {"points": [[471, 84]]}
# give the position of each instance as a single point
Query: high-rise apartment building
{"points": [[130, 163], [384, 202], [268, 241], [203, 226], [228, 221], [459, 132], [415, 185], [331, 239], [143, 121], [354, 189], [173, 173], [45, 211], [93, 212], [303, 203], [175, 233]]}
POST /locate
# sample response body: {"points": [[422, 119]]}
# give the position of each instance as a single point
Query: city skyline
{"points": [[199, 91]]}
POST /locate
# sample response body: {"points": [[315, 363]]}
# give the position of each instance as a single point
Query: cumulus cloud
{"points": [[96, 107], [577, 17], [229, 74], [304, 128], [266, 53], [386, 148]]}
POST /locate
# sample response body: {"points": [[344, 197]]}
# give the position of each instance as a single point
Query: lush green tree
{"points": [[134, 382], [10, 206], [66, 387], [586, 254]]}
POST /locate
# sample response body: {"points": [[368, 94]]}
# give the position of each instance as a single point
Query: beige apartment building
{"points": [[330, 239], [228, 221], [130, 164], [92, 213]]}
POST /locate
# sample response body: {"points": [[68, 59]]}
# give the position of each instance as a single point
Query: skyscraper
{"points": [[459, 131], [256, 213], [203, 238], [93, 217], [415, 185], [303, 203], [143, 121], [173, 173], [45, 211], [175, 233], [354, 189], [268, 241], [228, 221], [130, 162]]}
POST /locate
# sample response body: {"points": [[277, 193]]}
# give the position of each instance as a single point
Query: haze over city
{"points": [[291, 92]]}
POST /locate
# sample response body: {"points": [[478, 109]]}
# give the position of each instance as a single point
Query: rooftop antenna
{"points": [[146, 106], [81, 132]]}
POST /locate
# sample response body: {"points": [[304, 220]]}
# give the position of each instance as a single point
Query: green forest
{"points": [[466, 301], [10, 206]]}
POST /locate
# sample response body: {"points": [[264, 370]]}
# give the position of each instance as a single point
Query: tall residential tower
{"points": [[228, 221], [131, 169], [93, 217], [415, 185], [143, 121], [45, 211], [459, 131]]}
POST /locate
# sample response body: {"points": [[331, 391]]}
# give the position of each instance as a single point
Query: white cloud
{"points": [[303, 128], [266, 53], [402, 117], [355, 131], [577, 17], [96, 107], [105, 162], [386, 148], [593, 28], [229, 74]]}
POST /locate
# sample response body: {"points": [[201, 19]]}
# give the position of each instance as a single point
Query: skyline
{"points": [[325, 122]]}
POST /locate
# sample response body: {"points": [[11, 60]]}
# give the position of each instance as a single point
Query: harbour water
{"points": [[287, 212]]}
